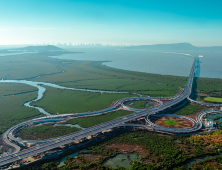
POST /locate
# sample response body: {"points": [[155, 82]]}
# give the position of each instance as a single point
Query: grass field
{"points": [[25, 66], [211, 86], [45, 132], [140, 105], [13, 112], [170, 122], [188, 109], [48, 131], [213, 99], [69, 101], [85, 74], [81, 74], [14, 88], [95, 120], [93, 75]]}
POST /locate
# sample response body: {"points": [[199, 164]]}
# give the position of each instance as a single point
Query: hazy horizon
{"points": [[111, 22]]}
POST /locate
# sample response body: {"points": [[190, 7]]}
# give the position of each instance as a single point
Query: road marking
{"points": [[18, 156], [186, 92]]}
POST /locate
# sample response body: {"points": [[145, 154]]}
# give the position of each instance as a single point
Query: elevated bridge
{"points": [[82, 134]]}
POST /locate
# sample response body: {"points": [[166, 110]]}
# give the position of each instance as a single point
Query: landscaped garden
{"points": [[170, 122]]}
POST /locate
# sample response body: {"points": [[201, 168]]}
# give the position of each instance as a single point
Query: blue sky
{"points": [[129, 22]]}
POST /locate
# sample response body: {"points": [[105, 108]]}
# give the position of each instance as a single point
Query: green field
{"points": [[140, 105], [14, 89], [95, 120], [188, 109], [163, 151], [45, 132], [70, 101], [24, 66], [170, 122], [93, 75], [13, 112], [48, 131], [213, 99], [210, 86], [86, 74], [81, 74]]}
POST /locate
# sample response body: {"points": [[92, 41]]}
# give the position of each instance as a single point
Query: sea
{"points": [[160, 62]]}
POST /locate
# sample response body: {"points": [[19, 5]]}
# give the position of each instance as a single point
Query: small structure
{"points": [[200, 55], [210, 124]]}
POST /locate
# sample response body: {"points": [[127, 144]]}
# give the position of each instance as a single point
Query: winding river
{"points": [[41, 90]]}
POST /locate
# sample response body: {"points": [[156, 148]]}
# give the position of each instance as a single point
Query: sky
{"points": [[127, 22]]}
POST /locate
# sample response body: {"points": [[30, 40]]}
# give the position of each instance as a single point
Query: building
{"points": [[210, 124]]}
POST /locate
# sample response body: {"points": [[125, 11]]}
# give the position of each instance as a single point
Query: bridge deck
{"points": [[56, 142]]}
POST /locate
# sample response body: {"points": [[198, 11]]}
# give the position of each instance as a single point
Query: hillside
{"points": [[39, 48], [177, 46]]}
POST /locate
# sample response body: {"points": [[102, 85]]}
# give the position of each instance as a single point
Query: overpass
{"points": [[82, 134], [9, 134]]}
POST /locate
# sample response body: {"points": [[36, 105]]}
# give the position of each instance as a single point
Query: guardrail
{"points": [[82, 134]]}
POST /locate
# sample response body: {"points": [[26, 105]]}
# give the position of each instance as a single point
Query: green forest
{"points": [[162, 152]]}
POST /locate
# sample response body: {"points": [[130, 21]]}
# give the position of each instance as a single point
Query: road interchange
{"points": [[122, 121]]}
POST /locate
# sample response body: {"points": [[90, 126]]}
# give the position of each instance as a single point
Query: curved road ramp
{"points": [[48, 145]]}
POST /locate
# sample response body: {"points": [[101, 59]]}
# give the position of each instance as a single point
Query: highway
{"points": [[9, 134], [82, 134]]}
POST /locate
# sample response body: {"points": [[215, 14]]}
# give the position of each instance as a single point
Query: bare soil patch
{"points": [[203, 94], [124, 148], [74, 161], [193, 116], [165, 101], [213, 139], [210, 164], [91, 157]]}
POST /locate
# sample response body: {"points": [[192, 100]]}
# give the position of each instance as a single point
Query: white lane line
{"points": [[18, 156]]}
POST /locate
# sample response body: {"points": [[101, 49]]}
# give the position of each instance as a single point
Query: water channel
{"points": [[189, 163], [217, 117], [122, 160], [41, 90], [74, 155], [118, 160]]}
